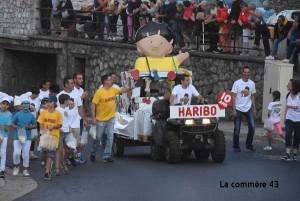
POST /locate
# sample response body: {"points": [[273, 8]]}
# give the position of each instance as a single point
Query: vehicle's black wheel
{"points": [[118, 147], [219, 152], [172, 147], [157, 151], [187, 151], [201, 154]]}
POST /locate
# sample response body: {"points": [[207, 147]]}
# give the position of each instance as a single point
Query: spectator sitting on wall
{"points": [[68, 16], [293, 35], [281, 30]]}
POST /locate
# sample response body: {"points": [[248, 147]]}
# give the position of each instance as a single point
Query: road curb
{"points": [[13, 187]]}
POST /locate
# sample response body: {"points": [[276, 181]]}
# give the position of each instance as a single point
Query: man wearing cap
{"points": [[5, 122]]}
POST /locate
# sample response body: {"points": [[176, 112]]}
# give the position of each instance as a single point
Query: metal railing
{"points": [[201, 35]]}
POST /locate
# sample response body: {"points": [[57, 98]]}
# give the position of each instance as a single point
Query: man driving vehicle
{"points": [[182, 93]]}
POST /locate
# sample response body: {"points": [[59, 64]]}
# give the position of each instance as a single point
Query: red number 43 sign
{"points": [[224, 99]]}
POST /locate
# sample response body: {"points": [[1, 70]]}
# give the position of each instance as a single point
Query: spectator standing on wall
{"points": [[237, 28], [262, 29], [213, 27], [68, 16], [252, 22], [112, 10], [122, 13], [243, 94], [177, 25], [225, 30], [281, 30], [57, 17], [153, 10], [161, 14], [187, 24], [46, 7], [132, 19]]}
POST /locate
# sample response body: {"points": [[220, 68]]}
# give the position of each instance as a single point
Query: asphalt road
{"points": [[136, 177]]}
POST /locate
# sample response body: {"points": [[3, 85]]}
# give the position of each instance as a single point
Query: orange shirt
{"points": [[105, 8]]}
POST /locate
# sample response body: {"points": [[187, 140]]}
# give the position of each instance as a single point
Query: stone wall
{"points": [[17, 17], [211, 71]]}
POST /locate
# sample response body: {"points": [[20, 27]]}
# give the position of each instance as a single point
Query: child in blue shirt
{"points": [[23, 119], [5, 122]]}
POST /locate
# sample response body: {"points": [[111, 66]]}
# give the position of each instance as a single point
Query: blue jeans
{"points": [[276, 43], [175, 28], [291, 127], [104, 138], [101, 128], [237, 128]]}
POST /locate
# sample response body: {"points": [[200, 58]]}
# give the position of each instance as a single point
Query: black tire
{"points": [[118, 147], [201, 154], [219, 152], [187, 151], [157, 151], [172, 147]]}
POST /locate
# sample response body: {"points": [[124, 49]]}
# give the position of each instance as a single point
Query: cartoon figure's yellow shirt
{"points": [[160, 64]]}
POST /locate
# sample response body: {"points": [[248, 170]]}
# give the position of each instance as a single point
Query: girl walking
{"points": [[274, 111]]}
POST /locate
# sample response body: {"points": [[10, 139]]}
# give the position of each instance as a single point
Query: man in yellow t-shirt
{"points": [[51, 120], [103, 110]]}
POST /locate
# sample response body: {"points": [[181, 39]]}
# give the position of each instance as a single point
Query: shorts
{"points": [[237, 30], [62, 141], [271, 33], [76, 134], [57, 16], [47, 153]]}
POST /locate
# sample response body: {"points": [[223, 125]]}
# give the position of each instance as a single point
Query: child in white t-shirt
{"points": [[274, 111]]}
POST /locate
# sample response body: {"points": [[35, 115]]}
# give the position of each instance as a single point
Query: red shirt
{"points": [[244, 19]]}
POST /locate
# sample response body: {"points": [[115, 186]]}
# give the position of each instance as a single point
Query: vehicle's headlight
{"points": [[189, 122], [205, 121]]}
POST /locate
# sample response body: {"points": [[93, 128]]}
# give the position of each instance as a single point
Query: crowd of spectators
{"points": [[227, 31]]}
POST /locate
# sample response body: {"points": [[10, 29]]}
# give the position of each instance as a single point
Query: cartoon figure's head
{"points": [[155, 40]]}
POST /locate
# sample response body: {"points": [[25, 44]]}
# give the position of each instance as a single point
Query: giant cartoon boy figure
{"points": [[155, 41]]}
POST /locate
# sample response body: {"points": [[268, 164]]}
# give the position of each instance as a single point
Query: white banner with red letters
{"points": [[196, 111]]}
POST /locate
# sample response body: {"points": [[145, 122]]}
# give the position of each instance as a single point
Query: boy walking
{"points": [[51, 120], [5, 122], [64, 132]]}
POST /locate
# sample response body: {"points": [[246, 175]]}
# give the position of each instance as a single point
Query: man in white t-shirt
{"points": [[44, 91], [113, 77], [182, 94], [78, 82], [243, 94], [75, 110]]}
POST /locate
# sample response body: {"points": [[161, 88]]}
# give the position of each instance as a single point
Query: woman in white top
{"points": [[292, 120]]}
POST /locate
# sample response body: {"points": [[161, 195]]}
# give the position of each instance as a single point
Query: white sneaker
{"points": [[267, 148], [42, 163], [114, 39], [26, 173], [270, 58], [38, 148], [285, 61], [15, 171]]}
